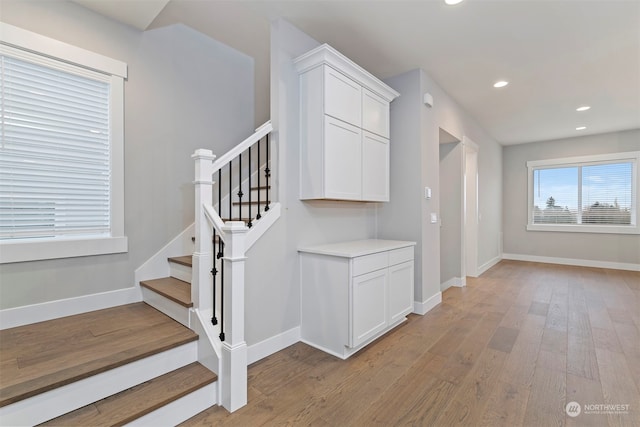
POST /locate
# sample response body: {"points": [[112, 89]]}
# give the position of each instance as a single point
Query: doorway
{"points": [[458, 209]]}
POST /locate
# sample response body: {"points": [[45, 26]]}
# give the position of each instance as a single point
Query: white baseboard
{"points": [[28, 314], [424, 307], [571, 261], [271, 345], [487, 265], [458, 282]]}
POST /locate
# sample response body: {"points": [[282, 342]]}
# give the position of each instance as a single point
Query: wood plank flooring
{"points": [[511, 349]]}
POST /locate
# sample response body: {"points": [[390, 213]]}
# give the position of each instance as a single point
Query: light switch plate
{"points": [[434, 218]]}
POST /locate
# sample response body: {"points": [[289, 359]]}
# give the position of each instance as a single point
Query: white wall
{"points": [[185, 91], [615, 248], [415, 138]]}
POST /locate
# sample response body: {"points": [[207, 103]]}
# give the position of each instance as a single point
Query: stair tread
{"points": [[43, 356], [174, 289], [140, 400], [186, 260]]}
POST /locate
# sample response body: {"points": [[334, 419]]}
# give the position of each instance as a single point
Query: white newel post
{"points": [[201, 284], [234, 348]]}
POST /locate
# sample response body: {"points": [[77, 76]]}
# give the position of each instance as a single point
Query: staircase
{"points": [[205, 291], [182, 350], [126, 364]]}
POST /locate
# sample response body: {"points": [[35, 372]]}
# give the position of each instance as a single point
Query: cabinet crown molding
{"points": [[325, 54]]}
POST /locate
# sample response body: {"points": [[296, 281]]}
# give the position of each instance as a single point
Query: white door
{"points": [[375, 113], [400, 291], [342, 160], [375, 168], [368, 306]]}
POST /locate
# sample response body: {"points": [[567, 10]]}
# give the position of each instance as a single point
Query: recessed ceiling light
{"points": [[581, 128], [452, 2], [501, 83], [583, 108]]}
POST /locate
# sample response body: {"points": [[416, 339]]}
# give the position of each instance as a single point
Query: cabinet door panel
{"points": [[375, 113], [369, 306], [342, 160], [342, 97], [400, 291], [375, 168]]}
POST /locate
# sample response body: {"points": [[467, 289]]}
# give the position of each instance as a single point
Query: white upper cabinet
{"points": [[344, 129]]}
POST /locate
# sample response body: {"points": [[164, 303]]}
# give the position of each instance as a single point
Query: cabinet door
{"points": [[368, 306], [400, 291], [342, 160], [375, 113], [342, 97], [375, 168]]}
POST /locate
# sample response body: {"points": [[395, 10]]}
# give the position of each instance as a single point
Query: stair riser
{"points": [[182, 409], [52, 404], [172, 309], [235, 209], [179, 271]]}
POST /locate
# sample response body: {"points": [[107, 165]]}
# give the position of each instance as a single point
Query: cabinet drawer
{"points": [[397, 256], [368, 263]]}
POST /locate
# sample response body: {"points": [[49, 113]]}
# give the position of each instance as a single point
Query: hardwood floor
{"points": [[512, 348]]}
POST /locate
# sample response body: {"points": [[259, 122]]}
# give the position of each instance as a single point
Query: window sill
{"points": [[608, 229], [41, 249]]}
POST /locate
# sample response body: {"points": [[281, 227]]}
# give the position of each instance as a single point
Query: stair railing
{"points": [[222, 238]]}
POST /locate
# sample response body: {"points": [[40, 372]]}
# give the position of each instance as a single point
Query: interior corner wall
{"points": [[184, 91], [451, 210], [614, 248], [420, 126], [273, 274]]}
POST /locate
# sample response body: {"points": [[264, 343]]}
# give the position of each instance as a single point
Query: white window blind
{"points": [[54, 154], [591, 193]]}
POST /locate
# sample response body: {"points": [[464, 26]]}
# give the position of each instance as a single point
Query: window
{"points": [[585, 194], [61, 165]]}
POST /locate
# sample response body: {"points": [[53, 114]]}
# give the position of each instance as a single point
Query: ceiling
{"points": [[556, 54]]}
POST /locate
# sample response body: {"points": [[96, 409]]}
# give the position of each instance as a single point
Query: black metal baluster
{"points": [[240, 193], [220, 254], [259, 216], [250, 223], [214, 272], [267, 173], [230, 170]]}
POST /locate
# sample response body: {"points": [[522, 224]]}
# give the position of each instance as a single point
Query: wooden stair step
{"points": [[174, 289], [43, 356], [140, 400], [186, 260], [261, 187]]}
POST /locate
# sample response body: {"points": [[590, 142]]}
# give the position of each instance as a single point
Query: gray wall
{"points": [[185, 91], [451, 177], [622, 248], [273, 273], [415, 131]]}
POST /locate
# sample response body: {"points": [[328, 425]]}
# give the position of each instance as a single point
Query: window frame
{"points": [[31, 249], [633, 228]]}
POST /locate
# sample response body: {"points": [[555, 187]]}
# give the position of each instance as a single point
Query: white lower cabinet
{"points": [[353, 292]]}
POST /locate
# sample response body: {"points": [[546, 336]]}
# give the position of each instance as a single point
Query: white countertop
{"points": [[356, 248]]}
